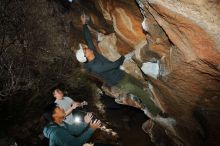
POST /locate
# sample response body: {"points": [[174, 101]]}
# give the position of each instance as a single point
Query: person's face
{"points": [[88, 52], [58, 113], [58, 94]]}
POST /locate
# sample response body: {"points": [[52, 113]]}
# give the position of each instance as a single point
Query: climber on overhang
{"points": [[111, 73]]}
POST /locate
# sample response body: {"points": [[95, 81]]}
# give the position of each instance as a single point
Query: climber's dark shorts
{"points": [[132, 85]]}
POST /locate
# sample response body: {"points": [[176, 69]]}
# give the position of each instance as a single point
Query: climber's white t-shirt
{"points": [[65, 104]]}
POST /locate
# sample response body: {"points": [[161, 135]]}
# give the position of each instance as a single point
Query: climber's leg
{"points": [[131, 85]]}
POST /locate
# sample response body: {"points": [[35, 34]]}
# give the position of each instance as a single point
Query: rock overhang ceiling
{"points": [[182, 36]]}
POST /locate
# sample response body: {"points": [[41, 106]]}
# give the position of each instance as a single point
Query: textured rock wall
{"points": [[125, 23], [192, 86]]}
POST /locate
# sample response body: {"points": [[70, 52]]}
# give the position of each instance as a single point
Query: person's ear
{"points": [[54, 115]]}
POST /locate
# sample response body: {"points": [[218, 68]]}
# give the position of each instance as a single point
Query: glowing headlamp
{"points": [[77, 119]]}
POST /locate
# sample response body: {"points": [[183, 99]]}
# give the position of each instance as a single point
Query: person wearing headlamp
{"points": [[63, 134]]}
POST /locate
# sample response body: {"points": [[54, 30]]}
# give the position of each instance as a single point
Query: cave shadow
{"points": [[208, 120], [127, 122]]}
